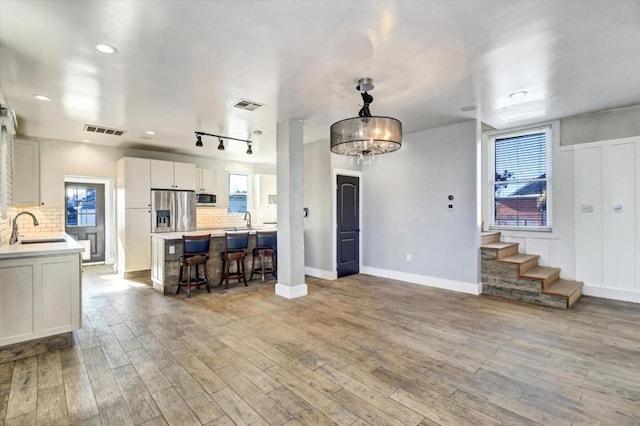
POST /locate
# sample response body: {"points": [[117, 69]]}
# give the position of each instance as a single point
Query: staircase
{"points": [[506, 273]]}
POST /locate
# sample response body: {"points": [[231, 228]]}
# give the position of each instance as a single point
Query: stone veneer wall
{"points": [[50, 219]]}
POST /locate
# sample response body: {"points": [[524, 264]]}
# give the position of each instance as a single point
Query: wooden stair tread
{"points": [[498, 245], [563, 288], [519, 258], [540, 273]]}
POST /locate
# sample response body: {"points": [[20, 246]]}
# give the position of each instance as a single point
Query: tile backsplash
{"points": [[210, 217], [50, 219]]}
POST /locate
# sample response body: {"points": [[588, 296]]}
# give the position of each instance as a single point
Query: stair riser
{"points": [[493, 268], [525, 296], [574, 297], [524, 267], [549, 281], [511, 284], [493, 238]]}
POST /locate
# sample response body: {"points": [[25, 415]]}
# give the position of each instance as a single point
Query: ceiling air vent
{"points": [[103, 130], [247, 105]]}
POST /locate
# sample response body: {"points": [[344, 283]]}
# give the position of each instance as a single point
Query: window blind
{"points": [[521, 157]]}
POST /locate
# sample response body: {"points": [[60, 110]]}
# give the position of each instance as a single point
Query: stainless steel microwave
{"points": [[203, 199]]}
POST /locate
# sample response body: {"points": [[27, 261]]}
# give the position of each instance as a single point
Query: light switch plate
{"points": [[172, 249], [587, 208]]}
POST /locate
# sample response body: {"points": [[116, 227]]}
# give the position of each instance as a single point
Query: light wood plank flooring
{"points": [[356, 351]]}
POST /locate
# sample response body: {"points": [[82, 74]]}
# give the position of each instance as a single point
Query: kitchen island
{"points": [[166, 250], [40, 294]]}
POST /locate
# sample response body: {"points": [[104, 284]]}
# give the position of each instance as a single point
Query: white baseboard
{"points": [[291, 292], [320, 273], [611, 293], [461, 286]]}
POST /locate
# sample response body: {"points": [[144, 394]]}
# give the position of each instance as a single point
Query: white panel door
{"points": [[588, 215], [619, 216], [162, 174], [184, 176]]}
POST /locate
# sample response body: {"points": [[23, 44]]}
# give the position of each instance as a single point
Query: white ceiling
{"points": [[182, 64]]}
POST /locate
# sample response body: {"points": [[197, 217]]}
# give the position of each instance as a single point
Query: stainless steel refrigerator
{"points": [[173, 211]]}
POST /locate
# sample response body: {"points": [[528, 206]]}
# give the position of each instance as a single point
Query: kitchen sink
{"points": [[43, 240]]}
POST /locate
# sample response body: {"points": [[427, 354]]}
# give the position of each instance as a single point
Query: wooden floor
{"points": [[356, 351]]}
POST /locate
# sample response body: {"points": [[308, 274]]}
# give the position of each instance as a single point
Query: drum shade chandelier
{"points": [[221, 141], [366, 136]]}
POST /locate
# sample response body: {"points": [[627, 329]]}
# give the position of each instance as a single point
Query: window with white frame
{"points": [[520, 188]]}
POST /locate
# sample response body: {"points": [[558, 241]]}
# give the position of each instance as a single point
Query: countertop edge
{"points": [[14, 251]]}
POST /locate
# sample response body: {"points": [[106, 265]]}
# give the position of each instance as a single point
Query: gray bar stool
{"points": [[195, 252], [267, 242], [235, 250]]}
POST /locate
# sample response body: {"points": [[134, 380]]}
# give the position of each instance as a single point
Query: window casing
{"points": [[520, 179]]}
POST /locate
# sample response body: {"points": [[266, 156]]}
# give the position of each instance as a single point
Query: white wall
{"points": [[606, 216], [319, 245], [317, 197], [405, 210]]}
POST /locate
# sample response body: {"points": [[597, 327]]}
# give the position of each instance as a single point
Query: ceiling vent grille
{"points": [[103, 130], [247, 105]]}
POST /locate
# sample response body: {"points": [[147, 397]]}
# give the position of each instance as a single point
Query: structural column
{"points": [[290, 165]]}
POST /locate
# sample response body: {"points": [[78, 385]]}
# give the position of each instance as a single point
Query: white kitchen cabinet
{"points": [[222, 188], [134, 180], [206, 181], [137, 240], [39, 297], [133, 186], [171, 175], [265, 191], [26, 173]]}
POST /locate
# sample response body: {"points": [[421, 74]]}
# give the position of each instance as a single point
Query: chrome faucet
{"points": [[14, 232], [247, 214]]}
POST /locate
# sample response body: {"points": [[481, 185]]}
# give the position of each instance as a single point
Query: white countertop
{"points": [[215, 232], [9, 251]]}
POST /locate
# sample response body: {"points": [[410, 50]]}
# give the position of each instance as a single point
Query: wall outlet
{"points": [[172, 249], [408, 258]]}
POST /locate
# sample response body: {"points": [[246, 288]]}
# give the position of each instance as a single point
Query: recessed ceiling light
{"points": [[106, 48], [257, 132], [519, 94], [150, 132], [42, 97], [469, 108], [85, 140]]}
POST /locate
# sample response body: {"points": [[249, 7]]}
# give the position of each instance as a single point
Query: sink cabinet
{"points": [[39, 297]]}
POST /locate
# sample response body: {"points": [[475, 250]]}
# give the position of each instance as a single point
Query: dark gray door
{"points": [[348, 214], [84, 216]]}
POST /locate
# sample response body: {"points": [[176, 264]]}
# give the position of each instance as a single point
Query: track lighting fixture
{"points": [[221, 141]]}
